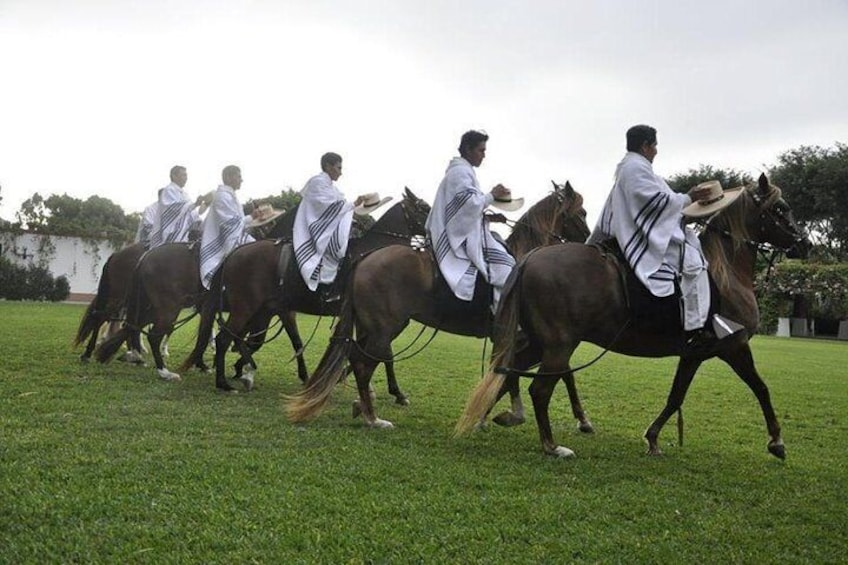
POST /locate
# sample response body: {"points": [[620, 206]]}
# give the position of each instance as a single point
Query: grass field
{"points": [[108, 464]]}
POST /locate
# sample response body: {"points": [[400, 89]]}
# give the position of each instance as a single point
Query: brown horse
{"points": [[396, 284], [166, 280], [566, 294], [108, 303], [249, 285]]}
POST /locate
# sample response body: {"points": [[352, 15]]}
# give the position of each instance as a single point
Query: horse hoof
{"points": [[481, 426], [586, 427], [654, 452], [381, 424], [777, 449], [84, 360], [402, 400], [356, 409], [508, 419], [167, 375], [562, 452], [247, 381]]}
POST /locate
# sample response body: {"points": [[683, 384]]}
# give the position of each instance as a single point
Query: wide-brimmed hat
{"points": [[264, 213], [714, 201], [508, 203], [370, 202]]}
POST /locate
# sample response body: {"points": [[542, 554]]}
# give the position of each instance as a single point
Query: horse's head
{"points": [[776, 224], [570, 221], [556, 218], [415, 211]]}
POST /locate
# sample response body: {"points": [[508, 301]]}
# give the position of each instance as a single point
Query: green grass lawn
{"points": [[108, 464]]}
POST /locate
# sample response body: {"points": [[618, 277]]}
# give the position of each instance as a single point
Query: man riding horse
{"points": [[322, 227], [459, 228], [646, 218]]}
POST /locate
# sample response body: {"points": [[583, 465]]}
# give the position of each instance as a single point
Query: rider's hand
{"points": [[496, 218], [500, 192]]}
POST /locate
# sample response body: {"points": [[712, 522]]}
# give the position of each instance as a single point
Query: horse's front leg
{"points": [[394, 388], [289, 320], [686, 368], [740, 360], [161, 328]]}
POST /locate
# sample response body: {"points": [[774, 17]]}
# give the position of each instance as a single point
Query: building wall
{"points": [[79, 259]]}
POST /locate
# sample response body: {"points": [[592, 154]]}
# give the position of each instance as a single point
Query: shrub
{"points": [[824, 285], [31, 283]]}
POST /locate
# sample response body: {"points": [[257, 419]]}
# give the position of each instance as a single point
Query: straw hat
{"points": [[370, 202], [508, 203], [264, 213], [715, 200]]}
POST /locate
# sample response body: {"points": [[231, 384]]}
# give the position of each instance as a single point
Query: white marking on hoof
{"points": [[381, 424], [562, 452], [167, 375], [247, 380], [132, 356]]}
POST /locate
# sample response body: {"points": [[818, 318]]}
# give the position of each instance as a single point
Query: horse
{"points": [[107, 304], [396, 284], [569, 293], [254, 289], [166, 279]]}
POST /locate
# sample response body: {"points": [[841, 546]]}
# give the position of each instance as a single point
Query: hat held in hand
{"points": [[263, 214], [507, 203], [370, 202], [715, 200]]}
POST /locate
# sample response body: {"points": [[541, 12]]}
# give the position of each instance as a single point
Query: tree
{"points": [[729, 178], [286, 200], [815, 183], [65, 215]]}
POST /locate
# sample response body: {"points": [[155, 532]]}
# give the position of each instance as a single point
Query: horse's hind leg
{"points": [[515, 415], [741, 360], [289, 320], [541, 390], [158, 332], [363, 364], [686, 368]]}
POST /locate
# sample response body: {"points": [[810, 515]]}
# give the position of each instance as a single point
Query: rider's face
{"points": [[334, 171], [476, 155], [649, 151]]}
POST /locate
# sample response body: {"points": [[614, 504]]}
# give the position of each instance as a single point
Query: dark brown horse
{"points": [[165, 281], [249, 284], [396, 284], [566, 294], [108, 303]]}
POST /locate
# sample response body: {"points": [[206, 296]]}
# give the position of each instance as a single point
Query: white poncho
{"points": [[145, 225], [460, 234], [223, 231], [644, 215], [175, 214], [321, 230]]}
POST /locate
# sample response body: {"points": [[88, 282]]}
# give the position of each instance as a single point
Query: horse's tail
{"points": [[504, 339], [136, 303], [89, 323], [212, 304], [309, 402]]}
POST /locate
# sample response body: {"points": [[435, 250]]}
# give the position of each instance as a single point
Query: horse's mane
{"points": [[731, 223], [538, 224]]}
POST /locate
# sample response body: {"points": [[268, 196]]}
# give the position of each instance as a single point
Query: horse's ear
{"points": [[556, 186], [406, 192], [569, 190], [763, 183]]}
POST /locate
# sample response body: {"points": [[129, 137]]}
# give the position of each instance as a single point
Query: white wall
{"points": [[81, 260]]}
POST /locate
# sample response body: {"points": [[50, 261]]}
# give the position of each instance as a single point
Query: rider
{"points": [[646, 218], [322, 227], [458, 227], [175, 212], [224, 226], [145, 225]]}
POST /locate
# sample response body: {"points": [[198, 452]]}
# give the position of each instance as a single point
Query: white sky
{"points": [[104, 96]]}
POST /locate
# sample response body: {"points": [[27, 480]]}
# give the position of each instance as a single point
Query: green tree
{"points": [[729, 178], [286, 200], [65, 215], [815, 183]]}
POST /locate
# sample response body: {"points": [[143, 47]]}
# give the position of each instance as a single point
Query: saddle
{"points": [[649, 313], [477, 312]]}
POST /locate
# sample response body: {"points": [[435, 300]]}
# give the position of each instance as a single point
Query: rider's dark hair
{"points": [[470, 140], [639, 135], [329, 159]]}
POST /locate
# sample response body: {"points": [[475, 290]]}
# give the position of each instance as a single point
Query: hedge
{"points": [[31, 283]]}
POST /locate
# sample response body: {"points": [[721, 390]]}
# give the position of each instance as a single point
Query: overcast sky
{"points": [[103, 97]]}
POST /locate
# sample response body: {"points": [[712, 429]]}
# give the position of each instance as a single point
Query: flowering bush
{"points": [[824, 286]]}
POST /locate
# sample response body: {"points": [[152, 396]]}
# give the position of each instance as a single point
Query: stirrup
{"points": [[724, 327]]}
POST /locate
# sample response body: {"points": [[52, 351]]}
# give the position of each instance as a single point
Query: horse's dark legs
{"points": [[541, 390], [741, 361], [222, 342], [96, 322], [257, 329], [686, 368], [394, 389], [583, 423], [515, 415], [289, 320]]}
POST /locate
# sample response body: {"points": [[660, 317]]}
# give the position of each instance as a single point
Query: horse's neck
{"points": [[390, 229], [734, 275]]}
